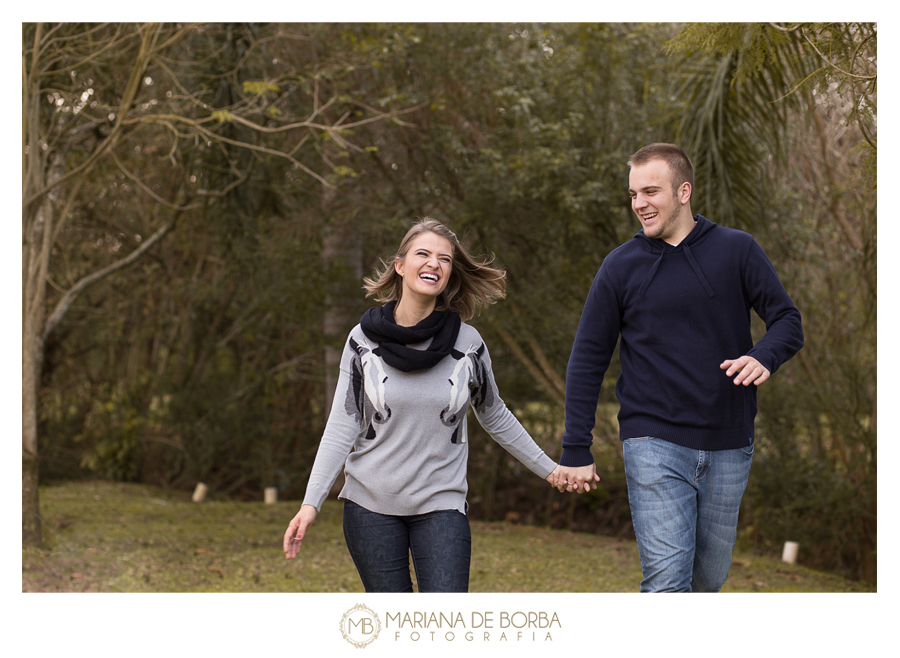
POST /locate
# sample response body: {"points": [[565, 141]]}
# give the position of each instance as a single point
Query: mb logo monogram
{"points": [[360, 626]]}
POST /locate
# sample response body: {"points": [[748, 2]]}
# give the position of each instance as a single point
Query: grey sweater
{"points": [[401, 437]]}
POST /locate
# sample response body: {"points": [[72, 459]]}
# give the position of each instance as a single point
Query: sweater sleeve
{"points": [[340, 434], [592, 351], [496, 418], [767, 296]]}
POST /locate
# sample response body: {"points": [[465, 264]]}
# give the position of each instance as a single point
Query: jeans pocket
{"points": [[748, 451]]}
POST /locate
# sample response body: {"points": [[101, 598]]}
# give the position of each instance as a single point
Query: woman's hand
{"points": [[296, 531], [553, 478]]}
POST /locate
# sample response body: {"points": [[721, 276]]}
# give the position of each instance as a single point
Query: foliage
{"points": [[282, 162], [815, 55], [808, 490], [203, 324], [113, 427], [783, 121], [764, 72], [521, 151]]}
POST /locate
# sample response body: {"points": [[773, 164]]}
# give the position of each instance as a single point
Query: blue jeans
{"points": [[380, 545], [684, 507]]}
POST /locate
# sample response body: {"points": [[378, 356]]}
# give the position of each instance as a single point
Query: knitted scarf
{"points": [[442, 326]]}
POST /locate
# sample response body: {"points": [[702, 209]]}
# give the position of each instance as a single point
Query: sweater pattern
{"points": [[366, 394], [401, 437], [470, 373]]}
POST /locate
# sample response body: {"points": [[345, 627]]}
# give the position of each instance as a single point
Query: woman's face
{"points": [[427, 265]]}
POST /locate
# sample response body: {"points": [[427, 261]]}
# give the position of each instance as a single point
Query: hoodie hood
{"points": [[701, 230]]}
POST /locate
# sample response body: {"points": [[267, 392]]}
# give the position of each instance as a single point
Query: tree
{"points": [[103, 106], [293, 157], [50, 139], [210, 321]]}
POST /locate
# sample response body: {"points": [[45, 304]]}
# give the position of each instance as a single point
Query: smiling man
{"points": [[679, 294]]}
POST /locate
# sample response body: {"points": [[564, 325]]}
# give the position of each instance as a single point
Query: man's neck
{"points": [[685, 228]]}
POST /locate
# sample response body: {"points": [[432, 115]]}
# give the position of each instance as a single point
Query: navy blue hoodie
{"points": [[681, 311]]}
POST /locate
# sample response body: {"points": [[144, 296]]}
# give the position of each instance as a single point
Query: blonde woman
{"points": [[409, 372]]}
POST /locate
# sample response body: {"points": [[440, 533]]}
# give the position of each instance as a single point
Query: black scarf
{"points": [[442, 326]]}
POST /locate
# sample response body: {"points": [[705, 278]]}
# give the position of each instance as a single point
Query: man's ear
{"points": [[684, 195]]}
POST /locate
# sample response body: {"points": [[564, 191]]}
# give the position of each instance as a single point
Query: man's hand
{"points": [[577, 478], [749, 370]]}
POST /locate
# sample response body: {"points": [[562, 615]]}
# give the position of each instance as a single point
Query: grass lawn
{"points": [[111, 537]]}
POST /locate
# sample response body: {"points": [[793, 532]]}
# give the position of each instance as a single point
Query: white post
{"points": [[271, 495], [789, 554], [199, 493]]}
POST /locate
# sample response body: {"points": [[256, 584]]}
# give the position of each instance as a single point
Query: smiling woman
{"points": [[469, 283], [409, 372], [425, 271]]}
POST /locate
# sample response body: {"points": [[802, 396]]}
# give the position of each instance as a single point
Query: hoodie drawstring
{"points": [[651, 273], [690, 259], [697, 271]]}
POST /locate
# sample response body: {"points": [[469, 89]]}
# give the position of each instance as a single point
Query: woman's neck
{"points": [[409, 312]]}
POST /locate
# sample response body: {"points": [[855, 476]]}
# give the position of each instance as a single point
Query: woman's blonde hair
{"points": [[473, 283]]}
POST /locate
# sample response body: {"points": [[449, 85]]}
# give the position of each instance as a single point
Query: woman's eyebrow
{"points": [[428, 252]]}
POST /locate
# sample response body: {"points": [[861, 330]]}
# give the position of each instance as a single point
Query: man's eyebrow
{"points": [[648, 187]]}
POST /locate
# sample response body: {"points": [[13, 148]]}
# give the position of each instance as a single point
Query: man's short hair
{"points": [[679, 164]]}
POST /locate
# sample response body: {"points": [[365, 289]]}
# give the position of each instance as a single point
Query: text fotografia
{"points": [[478, 626]]}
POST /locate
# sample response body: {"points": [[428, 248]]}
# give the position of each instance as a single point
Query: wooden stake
{"points": [[199, 493], [789, 554]]}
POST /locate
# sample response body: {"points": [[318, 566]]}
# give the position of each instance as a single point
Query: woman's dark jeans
{"points": [[440, 543]]}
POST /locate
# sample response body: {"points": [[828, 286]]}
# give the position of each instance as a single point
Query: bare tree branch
{"points": [[835, 66], [253, 147], [787, 29], [127, 100], [530, 365], [146, 189], [112, 44], [86, 282]]}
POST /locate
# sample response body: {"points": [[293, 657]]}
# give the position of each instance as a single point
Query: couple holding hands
{"points": [[678, 294]]}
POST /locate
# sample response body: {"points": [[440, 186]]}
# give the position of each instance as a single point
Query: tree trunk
{"points": [[36, 245], [342, 253], [32, 357], [342, 256], [33, 299]]}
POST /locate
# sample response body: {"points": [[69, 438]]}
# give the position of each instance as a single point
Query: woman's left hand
{"points": [[296, 531]]}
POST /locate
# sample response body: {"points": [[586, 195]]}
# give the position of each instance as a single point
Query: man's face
{"points": [[655, 203]]}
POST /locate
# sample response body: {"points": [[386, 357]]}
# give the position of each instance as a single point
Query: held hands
{"points": [[579, 479], [749, 370], [296, 531], [571, 478]]}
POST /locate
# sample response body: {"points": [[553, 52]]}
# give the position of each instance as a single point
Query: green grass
{"points": [[109, 537]]}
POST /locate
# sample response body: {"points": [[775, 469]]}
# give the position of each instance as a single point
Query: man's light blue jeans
{"points": [[684, 507]]}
